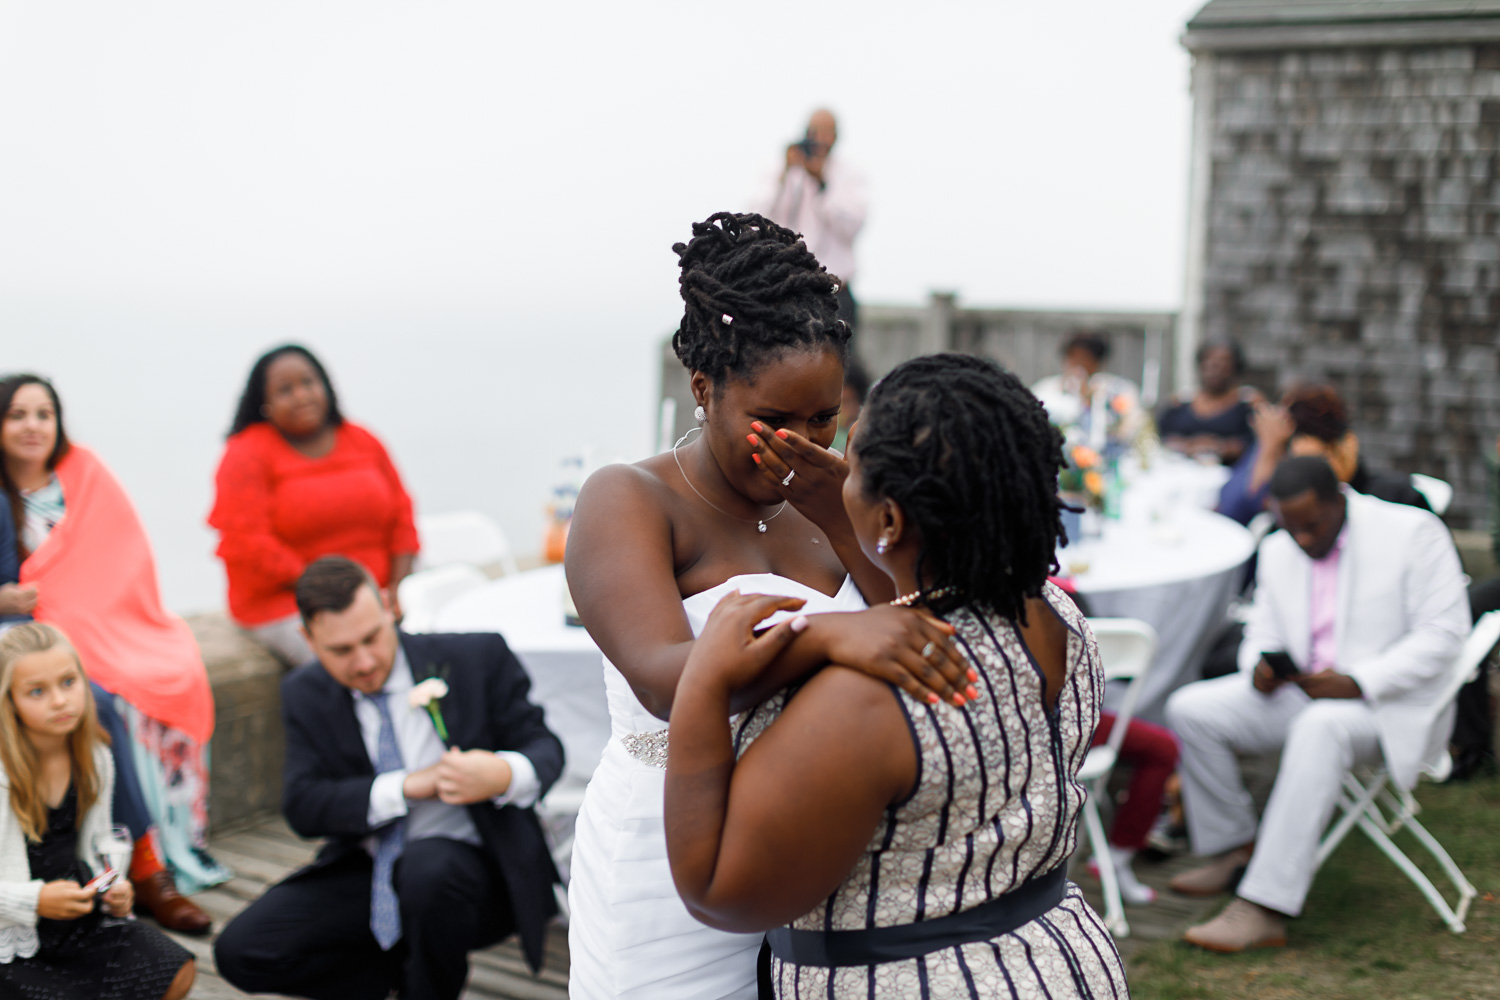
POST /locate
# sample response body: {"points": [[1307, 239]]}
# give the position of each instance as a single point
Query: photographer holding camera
{"points": [[821, 197]]}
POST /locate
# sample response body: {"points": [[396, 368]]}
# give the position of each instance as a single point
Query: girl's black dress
{"points": [[96, 955]]}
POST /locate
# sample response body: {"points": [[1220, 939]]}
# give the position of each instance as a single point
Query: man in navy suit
{"points": [[433, 850]]}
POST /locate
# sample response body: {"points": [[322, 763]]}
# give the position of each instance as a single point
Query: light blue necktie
{"points": [[385, 913]]}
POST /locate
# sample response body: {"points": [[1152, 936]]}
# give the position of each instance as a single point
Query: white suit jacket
{"points": [[1403, 616]]}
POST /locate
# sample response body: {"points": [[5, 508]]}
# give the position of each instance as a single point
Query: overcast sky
{"points": [[467, 209], [537, 157]]}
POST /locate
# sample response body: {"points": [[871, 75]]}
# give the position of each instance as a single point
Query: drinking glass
{"points": [[114, 846]]}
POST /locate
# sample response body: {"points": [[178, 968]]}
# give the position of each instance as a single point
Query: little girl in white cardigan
{"points": [[64, 930]]}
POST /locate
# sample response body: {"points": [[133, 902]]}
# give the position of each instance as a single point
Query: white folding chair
{"points": [[1439, 495], [423, 593], [464, 536], [1260, 526], [1368, 790], [1127, 647]]}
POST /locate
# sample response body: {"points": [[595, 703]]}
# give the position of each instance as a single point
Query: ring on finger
{"points": [[928, 650], [789, 476]]}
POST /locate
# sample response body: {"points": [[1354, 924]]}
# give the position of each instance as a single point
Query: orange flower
{"points": [[1093, 482], [1084, 456]]}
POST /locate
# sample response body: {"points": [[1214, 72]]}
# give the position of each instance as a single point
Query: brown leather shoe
{"points": [[158, 897]]}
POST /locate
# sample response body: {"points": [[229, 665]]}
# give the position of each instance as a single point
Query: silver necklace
{"points": [[760, 522]]}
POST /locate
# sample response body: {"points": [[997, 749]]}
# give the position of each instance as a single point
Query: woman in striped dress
{"points": [[895, 847]]}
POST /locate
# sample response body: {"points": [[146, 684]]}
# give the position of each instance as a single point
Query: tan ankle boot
{"points": [[1241, 926], [1219, 876]]}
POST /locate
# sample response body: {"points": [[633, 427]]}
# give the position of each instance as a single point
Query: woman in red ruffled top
{"points": [[298, 481]]}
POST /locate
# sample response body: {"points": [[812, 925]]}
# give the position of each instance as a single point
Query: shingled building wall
{"points": [[1351, 234]]}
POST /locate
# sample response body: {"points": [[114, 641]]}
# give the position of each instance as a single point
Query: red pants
{"points": [[1151, 751]]}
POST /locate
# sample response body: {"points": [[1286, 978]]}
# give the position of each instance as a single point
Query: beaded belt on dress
{"points": [[648, 748]]}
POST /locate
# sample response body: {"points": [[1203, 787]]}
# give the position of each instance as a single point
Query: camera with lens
{"points": [[809, 146]]}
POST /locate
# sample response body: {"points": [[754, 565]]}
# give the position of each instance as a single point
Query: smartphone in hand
{"points": [[1282, 665], [102, 883]]}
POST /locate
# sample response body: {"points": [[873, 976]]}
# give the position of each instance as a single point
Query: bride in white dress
{"points": [[753, 504]]}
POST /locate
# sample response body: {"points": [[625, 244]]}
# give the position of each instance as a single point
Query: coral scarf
{"points": [[96, 580]]}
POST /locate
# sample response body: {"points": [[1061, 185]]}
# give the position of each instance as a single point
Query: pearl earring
{"points": [[699, 415], [881, 546]]}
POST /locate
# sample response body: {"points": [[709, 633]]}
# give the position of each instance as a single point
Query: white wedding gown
{"points": [[629, 936]]}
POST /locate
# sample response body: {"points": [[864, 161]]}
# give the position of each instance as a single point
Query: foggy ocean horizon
{"points": [[478, 412]]}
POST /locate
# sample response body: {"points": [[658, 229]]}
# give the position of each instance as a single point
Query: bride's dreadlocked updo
{"points": [[751, 289], [968, 453]]}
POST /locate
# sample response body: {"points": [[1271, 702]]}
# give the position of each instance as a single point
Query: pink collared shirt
{"points": [[1323, 609]]}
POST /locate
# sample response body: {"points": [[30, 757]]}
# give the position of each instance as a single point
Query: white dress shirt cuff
{"points": [[524, 788], [387, 798]]}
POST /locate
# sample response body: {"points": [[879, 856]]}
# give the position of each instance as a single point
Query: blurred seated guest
{"points": [[1474, 727], [63, 933], [16, 602], [1367, 600], [856, 388], [129, 802], [1069, 397], [1150, 752], [1216, 421], [297, 481], [86, 555], [1311, 420], [433, 850]]}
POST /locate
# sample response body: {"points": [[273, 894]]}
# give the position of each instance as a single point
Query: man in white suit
{"points": [[1367, 598]]}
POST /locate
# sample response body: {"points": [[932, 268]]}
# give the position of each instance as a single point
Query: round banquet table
{"points": [[1176, 568], [566, 668]]}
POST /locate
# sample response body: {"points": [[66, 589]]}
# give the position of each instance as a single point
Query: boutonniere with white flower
{"points": [[427, 695]]}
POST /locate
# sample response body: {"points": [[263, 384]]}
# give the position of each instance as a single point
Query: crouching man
{"points": [[433, 850]]}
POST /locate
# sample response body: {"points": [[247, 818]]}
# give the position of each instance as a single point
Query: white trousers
{"points": [[1321, 741], [283, 639]]}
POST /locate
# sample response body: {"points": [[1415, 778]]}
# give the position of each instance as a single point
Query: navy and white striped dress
{"points": [[996, 802]]}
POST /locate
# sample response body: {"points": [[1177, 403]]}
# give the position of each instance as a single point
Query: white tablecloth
{"points": [[566, 668], [1175, 567]]}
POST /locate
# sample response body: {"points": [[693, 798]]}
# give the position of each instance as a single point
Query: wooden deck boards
{"points": [[268, 851]]}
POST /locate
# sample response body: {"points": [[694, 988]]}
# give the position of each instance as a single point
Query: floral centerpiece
{"points": [[1083, 478]]}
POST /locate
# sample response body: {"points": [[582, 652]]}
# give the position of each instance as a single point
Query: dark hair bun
{"points": [[751, 288]]}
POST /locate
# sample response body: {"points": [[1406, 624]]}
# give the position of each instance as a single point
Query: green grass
{"points": [[1366, 932]]}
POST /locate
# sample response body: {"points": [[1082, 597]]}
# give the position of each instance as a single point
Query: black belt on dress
{"points": [[875, 945]]}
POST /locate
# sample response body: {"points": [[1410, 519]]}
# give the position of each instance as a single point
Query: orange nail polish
{"points": [[755, 459], [973, 674], [752, 439], [973, 695], [932, 699], [756, 424], [781, 434]]}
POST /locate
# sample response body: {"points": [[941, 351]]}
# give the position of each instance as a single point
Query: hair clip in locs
{"points": [[726, 319]]}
